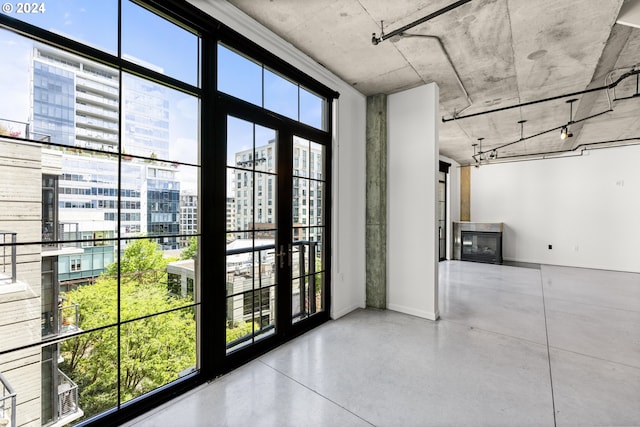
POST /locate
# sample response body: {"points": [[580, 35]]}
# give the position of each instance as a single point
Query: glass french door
{"points": [[252, 276], [308, 185], [275, 231]]}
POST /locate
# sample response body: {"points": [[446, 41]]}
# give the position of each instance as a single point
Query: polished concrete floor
{"points": [[514, 347]]}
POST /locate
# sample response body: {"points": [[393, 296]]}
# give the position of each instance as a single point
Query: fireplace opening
{"points": [[481, 246]]}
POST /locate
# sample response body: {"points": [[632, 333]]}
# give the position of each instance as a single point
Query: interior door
{"points": [[443, 220], [442, 215]]}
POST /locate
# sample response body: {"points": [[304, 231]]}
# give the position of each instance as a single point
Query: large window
{"points": [[266, 88], [97, 160], [126, 236]]}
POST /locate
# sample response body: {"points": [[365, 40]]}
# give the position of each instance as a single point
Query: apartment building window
{"points": [[75, 264]]}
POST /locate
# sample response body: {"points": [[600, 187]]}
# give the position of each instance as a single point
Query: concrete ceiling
{"points": [[505, 52]]}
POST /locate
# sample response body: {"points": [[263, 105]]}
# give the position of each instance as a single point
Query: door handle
{"points": [[281, 256]]}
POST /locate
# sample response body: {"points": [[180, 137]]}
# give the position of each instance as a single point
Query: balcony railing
{"points": [[68, 318], [22, 130], [67, 235], [97, 136], [99, 123], [102, 112], [7, 403], [101, 100], [300, 257], [8, 260], [67, 396], [298, 252]]}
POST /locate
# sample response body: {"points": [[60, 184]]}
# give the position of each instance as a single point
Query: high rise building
{"points": [[231, 214], [255, 207], [76, 102], [163, 206], [188, 217]]}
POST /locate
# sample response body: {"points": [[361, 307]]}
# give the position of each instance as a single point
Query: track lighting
{"points": [[564, 132]]}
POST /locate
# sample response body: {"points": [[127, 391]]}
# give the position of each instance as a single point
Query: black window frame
{"points": [[211, 340]]}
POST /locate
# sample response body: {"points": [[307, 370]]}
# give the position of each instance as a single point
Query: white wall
{"points": [[412, 243], [348, 269], [453, 200], [587, 207]]}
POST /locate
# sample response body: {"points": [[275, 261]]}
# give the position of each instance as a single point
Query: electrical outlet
{"points": [[576, 248], [550, 246]]}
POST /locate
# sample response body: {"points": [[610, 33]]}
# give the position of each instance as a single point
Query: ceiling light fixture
{"points": [[481, 153], [521, 123], [523, 138], [475, 153], [565, 133]]}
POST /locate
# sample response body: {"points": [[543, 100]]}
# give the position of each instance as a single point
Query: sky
{"points": [[162, 46], [145, 36]]}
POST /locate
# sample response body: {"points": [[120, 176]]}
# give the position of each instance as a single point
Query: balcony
{"points": [[96, 111], [102, 89], [65, 240], [97, 124], [96, 136], [255, 261], [8, 257], [68, 409], [98, 100], [14, 129], [69, 318], [7, 404]]}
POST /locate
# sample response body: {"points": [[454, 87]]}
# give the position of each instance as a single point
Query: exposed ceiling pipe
{"points": [[610, 86], [558, 154], [455, 71], [377, 40]]}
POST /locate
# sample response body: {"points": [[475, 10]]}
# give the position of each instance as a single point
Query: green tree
{"points": [[153, 350], [240, 330], [139, 256], [191, 250]]}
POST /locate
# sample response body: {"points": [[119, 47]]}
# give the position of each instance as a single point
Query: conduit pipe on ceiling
{"points": [[557, 128], [377, 40], [557, 154], [455, 71], [610, 86]]}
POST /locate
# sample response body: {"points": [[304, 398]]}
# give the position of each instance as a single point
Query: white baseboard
{"points": [[414, 311], [344, 311]]}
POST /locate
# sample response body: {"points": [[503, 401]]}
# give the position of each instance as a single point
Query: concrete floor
{"points": [[514, 345]]}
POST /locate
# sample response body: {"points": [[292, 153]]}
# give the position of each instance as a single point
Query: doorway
{"points": [[276, 233], [443, 219]]}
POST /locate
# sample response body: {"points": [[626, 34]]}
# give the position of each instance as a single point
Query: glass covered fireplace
{"points": [[481, 246], [478, 241]]}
